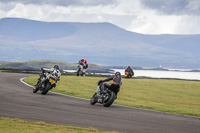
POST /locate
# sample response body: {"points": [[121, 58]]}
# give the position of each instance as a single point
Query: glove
{"points": [[100, 81]]}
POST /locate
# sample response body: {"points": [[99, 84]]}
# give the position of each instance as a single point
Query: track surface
{"points": [[18, 101]]}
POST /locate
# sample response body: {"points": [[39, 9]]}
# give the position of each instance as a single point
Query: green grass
{"points": [[20, 126], [174, 96]]}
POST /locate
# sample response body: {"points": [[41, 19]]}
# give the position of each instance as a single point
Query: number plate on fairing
{"points": [[52, 81]]}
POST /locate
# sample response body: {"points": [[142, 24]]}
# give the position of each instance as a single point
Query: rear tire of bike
{"points": [[93, 99], [46, 89], [110, 101]]}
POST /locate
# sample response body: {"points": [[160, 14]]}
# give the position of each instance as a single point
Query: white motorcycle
{"points": [[46, 82], [81, 71]]}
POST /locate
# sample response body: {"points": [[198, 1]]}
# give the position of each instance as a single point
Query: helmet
{"points": [[117, 73], [56, 67]]}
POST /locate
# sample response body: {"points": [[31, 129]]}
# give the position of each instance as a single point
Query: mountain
{"points": [[38, 64], [99, 43]]}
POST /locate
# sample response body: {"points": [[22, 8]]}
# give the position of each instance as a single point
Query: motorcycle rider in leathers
{"points": [[130, 70], [83, 62], [117, 82], [45, 71]]}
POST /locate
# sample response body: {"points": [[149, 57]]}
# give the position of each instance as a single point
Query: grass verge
{"points": [[19, 126], [173, 96]]}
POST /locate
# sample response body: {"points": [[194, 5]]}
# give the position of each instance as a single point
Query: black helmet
{"points": [[56, 67], [117, 73]]}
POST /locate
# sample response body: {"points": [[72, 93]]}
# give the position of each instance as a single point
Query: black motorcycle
{"points": [[105, 97], [45, 83], [128, 75]]}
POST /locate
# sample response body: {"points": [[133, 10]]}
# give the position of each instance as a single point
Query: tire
{"points": [[110, 100], [35, 89], [93, 100], [46, 89], [78, 72]]}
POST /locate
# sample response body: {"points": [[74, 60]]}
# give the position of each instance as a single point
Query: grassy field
{"points": [[19, 126], [174, 96]]}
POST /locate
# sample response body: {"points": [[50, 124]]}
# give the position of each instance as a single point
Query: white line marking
{"points": [[21, 80], [25, 82], [113, 104]]}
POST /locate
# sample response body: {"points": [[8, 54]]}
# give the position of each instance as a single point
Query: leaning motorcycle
{"points": [[80, 70], [105, 97], [128, 75], [45, 83]]}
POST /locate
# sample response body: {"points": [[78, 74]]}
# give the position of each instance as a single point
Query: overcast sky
{"points": [[141, 16]]}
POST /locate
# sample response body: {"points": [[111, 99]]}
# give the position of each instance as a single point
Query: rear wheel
{"points": [[46, 89], [110, 100], [93, 100]]}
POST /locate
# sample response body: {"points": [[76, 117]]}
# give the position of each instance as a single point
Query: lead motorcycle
{"points": [[80, 70], [105, 97], [45, 83]]}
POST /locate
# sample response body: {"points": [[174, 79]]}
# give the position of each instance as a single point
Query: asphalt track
{"points": [[18, 101]]}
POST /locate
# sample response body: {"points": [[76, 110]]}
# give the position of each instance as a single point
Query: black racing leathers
{"points": [[83, 62], [129, 70], [115, 87], [116, 80]]}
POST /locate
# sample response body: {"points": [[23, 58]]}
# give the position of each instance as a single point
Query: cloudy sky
{"points": [[142, 16]]}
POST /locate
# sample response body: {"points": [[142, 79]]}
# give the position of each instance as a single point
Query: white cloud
{"points": [[128, 14], [63, 3], [19, 11], [188, 24], [149, 22]]}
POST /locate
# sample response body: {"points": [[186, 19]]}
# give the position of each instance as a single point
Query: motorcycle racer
{"points": [[117, 82], [130, 71], [83, 62], [46, 71]]}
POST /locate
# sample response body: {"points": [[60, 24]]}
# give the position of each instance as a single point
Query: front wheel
{"points": [[35, 89], [93, 100], [110, 100], [46, 89], [78, 72]]}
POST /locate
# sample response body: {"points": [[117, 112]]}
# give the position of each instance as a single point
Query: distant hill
{"points": [[38, 64], [99, 43]]}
